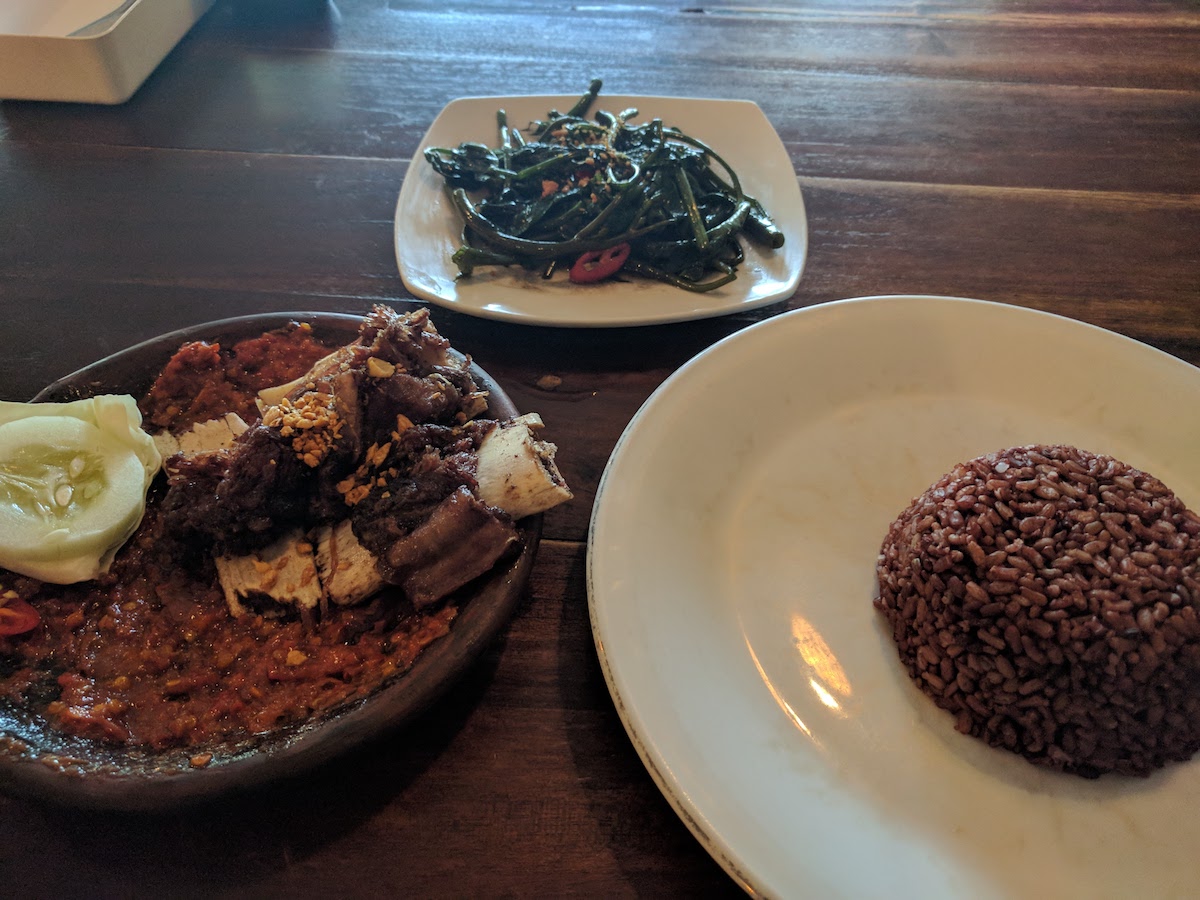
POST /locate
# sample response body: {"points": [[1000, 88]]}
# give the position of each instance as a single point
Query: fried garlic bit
{"points": [[354, 488], [380, 368], [310, 421]]}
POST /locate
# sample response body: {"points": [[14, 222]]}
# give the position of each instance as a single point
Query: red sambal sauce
{"points": [[203, 380], [149, 655]]}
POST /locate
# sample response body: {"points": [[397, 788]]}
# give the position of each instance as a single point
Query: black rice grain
{"points": [[1049, 598]]}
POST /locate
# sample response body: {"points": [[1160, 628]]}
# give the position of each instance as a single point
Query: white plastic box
{"points": [[87, 51]]}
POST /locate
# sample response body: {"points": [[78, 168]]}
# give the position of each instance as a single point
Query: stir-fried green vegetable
{"points": [[578, 186]]}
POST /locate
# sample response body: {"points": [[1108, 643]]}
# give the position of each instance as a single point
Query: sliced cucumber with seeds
{"points": [[72, 487]]}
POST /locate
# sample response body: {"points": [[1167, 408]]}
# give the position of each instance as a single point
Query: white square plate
{"points": [[428, 228]]}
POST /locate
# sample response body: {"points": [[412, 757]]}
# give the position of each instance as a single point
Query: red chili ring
{"points": [[596, 265]]}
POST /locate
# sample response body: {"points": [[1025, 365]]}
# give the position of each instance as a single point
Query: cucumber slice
{"points": [[72, 491]]}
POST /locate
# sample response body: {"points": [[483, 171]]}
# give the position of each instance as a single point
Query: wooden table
{"points": [[1045, 154]]}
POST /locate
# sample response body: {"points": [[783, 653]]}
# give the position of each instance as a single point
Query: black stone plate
{"points": [[36, 761]]}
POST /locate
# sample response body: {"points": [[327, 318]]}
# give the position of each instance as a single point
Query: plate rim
{"points": [[724, 851], [481, 620], [410, 188]]}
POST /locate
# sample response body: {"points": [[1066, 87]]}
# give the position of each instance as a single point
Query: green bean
{"points": [[628, 193], [716, 234], [699, 232], [537, 170], [584, 103], [533, 249], [645, 269], [575, 112], [502, 124], [467, 258], [762, 228], [759, 225]]}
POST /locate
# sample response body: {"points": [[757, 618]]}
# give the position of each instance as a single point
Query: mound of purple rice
{"points": [[1050, 599]]}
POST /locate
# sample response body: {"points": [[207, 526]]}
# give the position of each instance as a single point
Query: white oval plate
{"points": [[428, 228], [730, 577]]}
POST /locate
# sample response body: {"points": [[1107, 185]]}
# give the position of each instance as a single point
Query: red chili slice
{"points": [[17, 617], [596, 265]]}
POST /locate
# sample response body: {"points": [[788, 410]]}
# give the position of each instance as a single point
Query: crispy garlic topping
{"points": [[310, 421], [354, 488]]}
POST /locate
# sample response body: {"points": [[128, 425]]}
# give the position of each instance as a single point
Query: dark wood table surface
{"points": [[1044, 154]]}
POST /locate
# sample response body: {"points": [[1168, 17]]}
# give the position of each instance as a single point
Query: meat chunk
{"points": [[433, 398], [401, 482], [410, 342], [377, 454], [460, 541], [237, 500]]}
